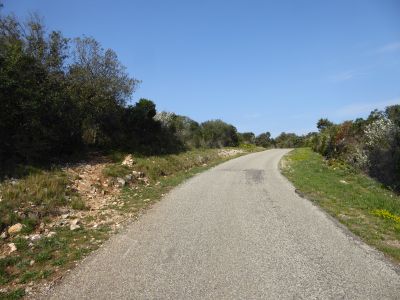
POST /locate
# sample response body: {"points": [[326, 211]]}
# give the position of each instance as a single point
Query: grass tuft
{"points": [[383, 213], [34, 197], [116, 170]]}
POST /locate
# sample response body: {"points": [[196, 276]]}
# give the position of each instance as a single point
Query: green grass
{"points": [[365, 206], [32, 200], [13, 295], [36, 196], [116, 170], [57, 253]]}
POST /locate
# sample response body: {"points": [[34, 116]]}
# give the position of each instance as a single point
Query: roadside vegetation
{"points": [[371, 145], [367, 207], [352, 171], [52, 219]]}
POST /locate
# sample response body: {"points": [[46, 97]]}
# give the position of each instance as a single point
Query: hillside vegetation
{"points": [[353, 173], [371, 145], [65, 97], [61, 97]]}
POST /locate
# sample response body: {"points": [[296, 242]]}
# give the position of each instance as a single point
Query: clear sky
{"points": [[260, 65]]}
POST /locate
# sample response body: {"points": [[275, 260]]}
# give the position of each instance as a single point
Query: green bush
{"points": [[372, 145]]}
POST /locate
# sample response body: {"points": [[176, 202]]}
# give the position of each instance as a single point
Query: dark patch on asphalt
{"points": [[169, 255], [254, 175]]}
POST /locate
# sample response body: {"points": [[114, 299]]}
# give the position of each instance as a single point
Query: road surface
{"points": [[237, 231]]}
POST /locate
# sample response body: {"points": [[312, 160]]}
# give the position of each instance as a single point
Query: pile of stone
{"points": [[229, 152]]}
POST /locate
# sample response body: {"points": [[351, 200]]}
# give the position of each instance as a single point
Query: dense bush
{"points": [[216, 134], [186, 131], [372, 145], [60, 96], [289, 140], [247, 138], [264, 140], [57, 95]]}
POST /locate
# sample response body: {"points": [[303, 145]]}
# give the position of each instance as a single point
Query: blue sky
{"points": [[260, 65]]}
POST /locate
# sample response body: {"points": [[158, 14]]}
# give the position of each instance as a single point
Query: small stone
{"points": [[128, 161], [35, 237], [121, 182], [32, 262], [298, 192], [128, 178], [74, 222], [51, 234], [344, 182], [65, 216], [12, 247], [15, 228], [74, 227], [4, 235]]}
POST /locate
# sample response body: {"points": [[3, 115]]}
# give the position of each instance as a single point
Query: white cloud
{"points": [[343, 76], [358, 109], [392, 47], [347, 75]]}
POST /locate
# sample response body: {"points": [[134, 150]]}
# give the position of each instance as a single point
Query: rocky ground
{"points": [[101, 207], [229, 152], [101, 193], [100, 196]]}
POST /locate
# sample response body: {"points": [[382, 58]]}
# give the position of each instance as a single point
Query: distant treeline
{"points": [[372, 144]]}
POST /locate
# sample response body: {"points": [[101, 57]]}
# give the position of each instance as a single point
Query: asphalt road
{"points": [[237, 231]]}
